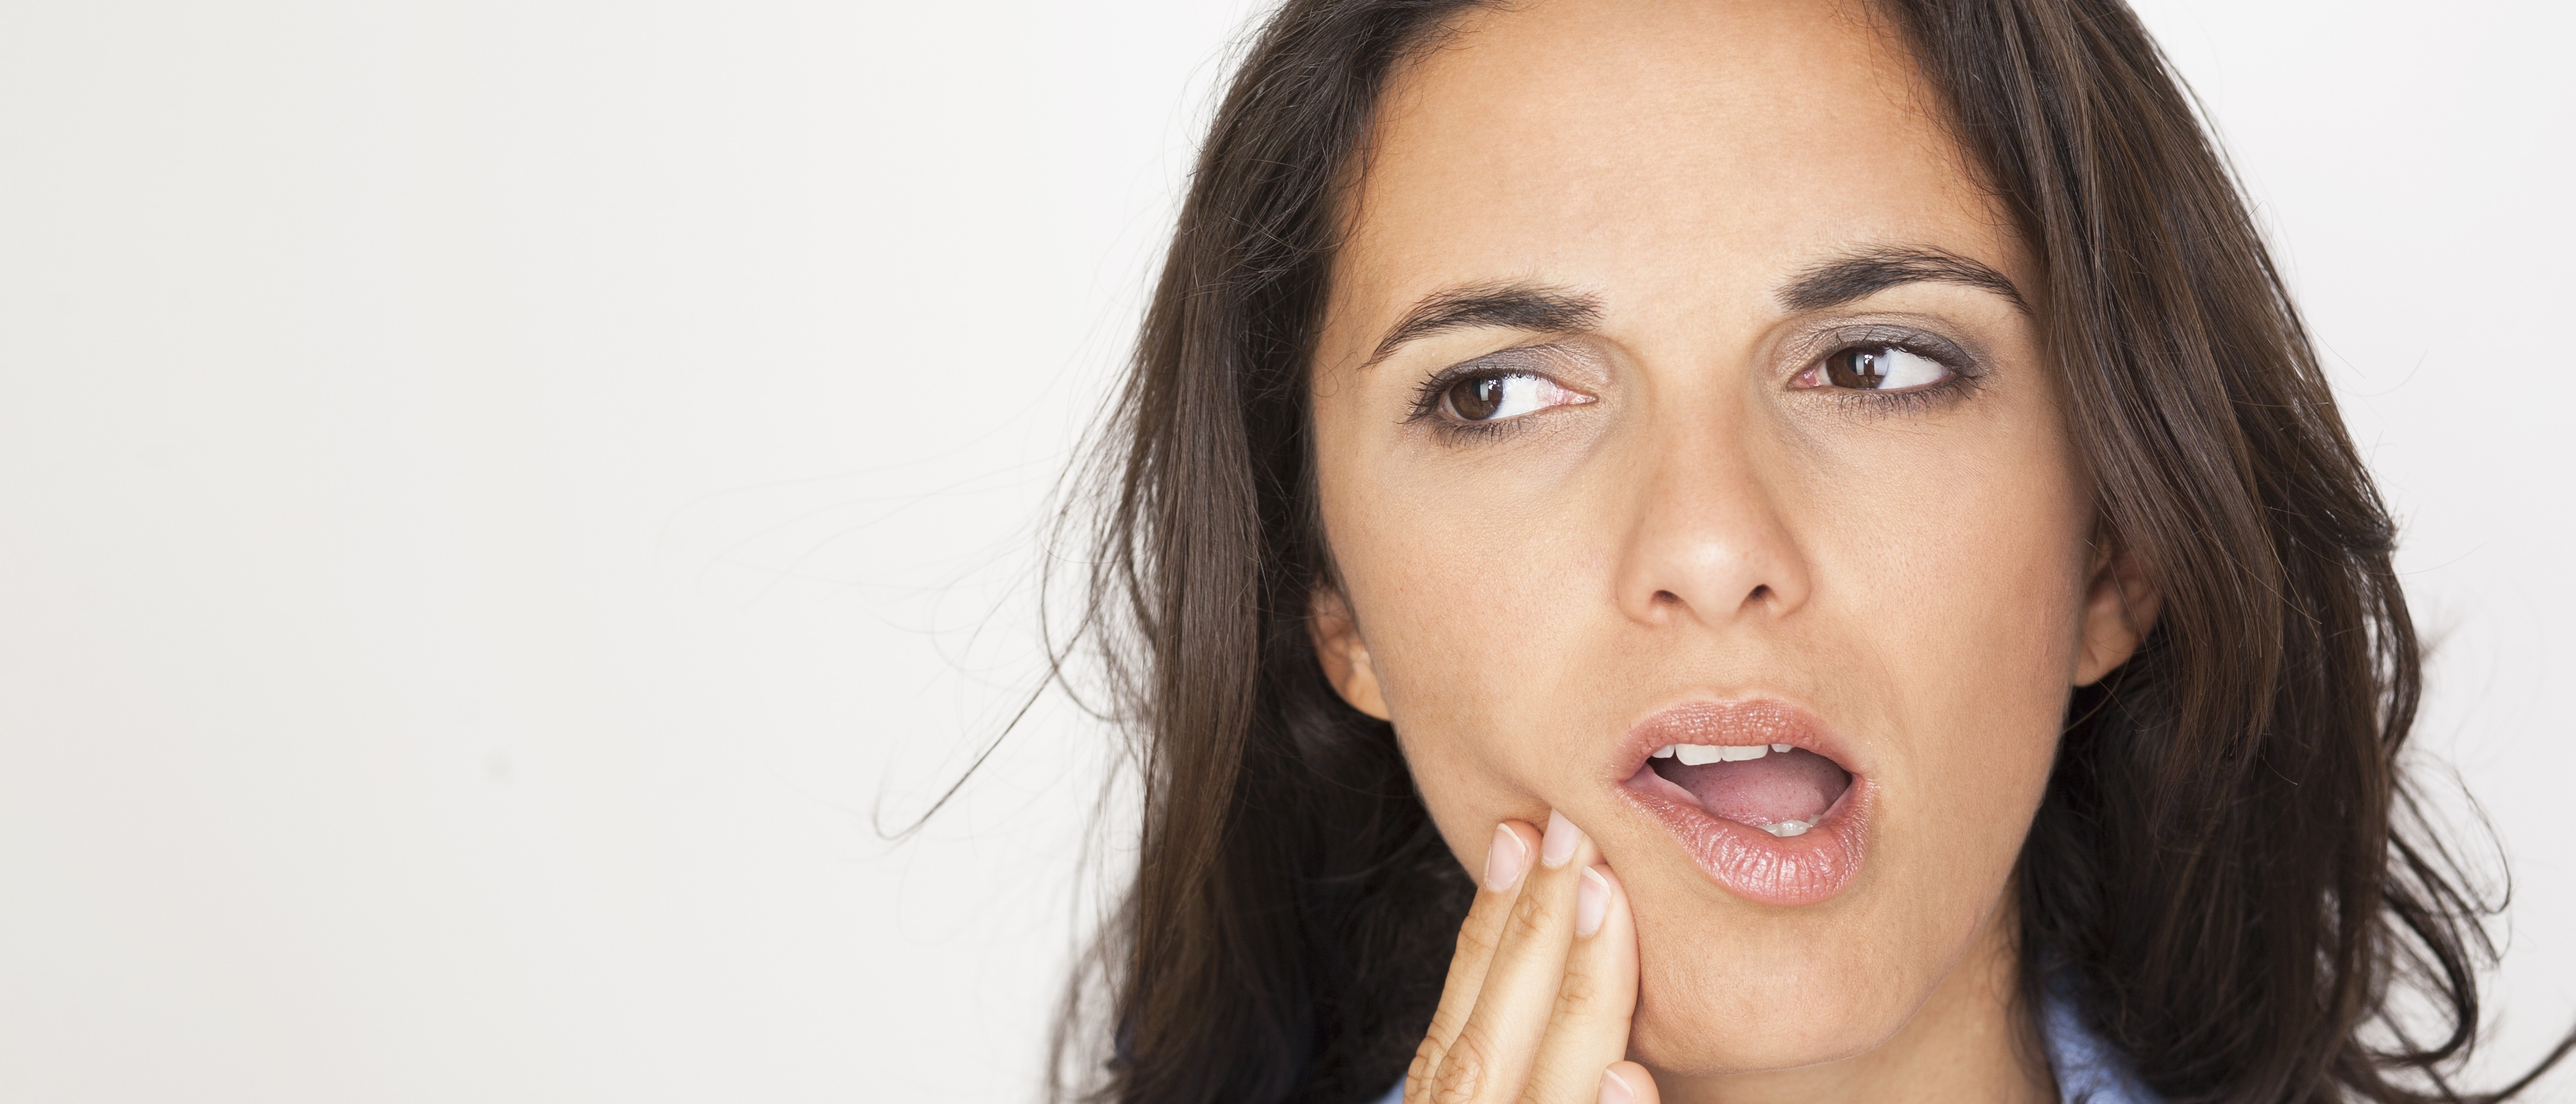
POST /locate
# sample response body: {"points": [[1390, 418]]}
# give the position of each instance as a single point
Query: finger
{"points": [[1489, 1060], [1507, 863], [1628, 1083], [1588, 1029]]}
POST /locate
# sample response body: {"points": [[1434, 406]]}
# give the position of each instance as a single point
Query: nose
{"points": [[1707, 542]]}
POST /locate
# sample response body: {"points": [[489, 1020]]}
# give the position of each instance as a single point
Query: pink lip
{"points": [[1749, 862]]}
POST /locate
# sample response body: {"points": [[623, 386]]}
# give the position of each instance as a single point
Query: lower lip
{"points": [[1749, 862]]}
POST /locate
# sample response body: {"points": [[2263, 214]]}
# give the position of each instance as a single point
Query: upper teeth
{"points": [[1693, 755]]}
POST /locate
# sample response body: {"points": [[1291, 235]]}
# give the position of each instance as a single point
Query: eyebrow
{"points": [[1537, 308], [1867, 273], [1546, 308]]}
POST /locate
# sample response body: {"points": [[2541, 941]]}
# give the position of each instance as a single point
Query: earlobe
{"points": [[1345, 657], [2120, 607]]}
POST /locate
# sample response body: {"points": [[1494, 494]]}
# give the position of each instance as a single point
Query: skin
{"points": [[1694, 521]]}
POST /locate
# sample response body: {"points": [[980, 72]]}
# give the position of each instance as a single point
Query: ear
{"points": [[2120, 605], [1344, 655]]}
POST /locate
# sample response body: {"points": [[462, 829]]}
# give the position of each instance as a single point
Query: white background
{"points": [[495, 496]]}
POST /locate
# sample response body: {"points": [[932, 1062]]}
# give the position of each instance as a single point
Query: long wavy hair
{"points": [[2228, 860]]}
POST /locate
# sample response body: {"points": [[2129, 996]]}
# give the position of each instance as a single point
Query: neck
{"points": [[1970, 1043]]}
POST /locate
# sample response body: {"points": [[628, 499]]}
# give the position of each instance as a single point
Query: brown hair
{"points": [[2226, 869]]}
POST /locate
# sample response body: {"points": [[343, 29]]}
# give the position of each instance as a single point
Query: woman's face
{"points": [[1680, 386]]}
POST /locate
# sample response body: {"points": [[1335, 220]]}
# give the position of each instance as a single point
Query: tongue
{"points": [[1778, 788]]}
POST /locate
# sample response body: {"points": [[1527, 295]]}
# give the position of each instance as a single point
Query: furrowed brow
{"points": [[1862, 275], [1536, 308]]}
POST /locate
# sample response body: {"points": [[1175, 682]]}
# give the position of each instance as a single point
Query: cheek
{"points": [[1955, 586], [1972, 598], [1477, 610], [1470, 623]]}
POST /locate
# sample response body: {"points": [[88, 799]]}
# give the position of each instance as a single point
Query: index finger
{"points": [[1507, 863], [1596, 1000]]}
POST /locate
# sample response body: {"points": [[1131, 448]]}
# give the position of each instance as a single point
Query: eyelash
{"points": [[1428, 397], [1963, 378]]}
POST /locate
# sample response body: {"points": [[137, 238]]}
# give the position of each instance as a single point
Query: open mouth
{"points": [[1779, 788], [1754, 793]]}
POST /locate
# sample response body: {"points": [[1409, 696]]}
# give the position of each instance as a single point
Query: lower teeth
{"points": [[1786, 828]]}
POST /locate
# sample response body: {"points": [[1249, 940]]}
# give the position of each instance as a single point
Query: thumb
{"points": [[1628, 1083]]}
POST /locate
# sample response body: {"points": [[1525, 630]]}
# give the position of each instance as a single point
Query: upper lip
{"points": [[1751, 719]]}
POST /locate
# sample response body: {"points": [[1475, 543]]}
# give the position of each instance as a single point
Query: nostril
{"points": [[1667, 598], [1760, 593]]}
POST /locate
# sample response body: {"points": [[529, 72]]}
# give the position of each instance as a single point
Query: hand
{"points": [[1539, 997]]}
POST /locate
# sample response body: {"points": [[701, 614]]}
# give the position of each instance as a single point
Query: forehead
{"points": [[1660, 152]]}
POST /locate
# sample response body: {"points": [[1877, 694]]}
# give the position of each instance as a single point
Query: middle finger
{"points": [[1490, 1058]]}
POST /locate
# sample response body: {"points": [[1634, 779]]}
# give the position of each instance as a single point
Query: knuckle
{"points": [[1463, 1071], [1578, 994], [1529, 917], [1474, 944], [1417, 1077]]}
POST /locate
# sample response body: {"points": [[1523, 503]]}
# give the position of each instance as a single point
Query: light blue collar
{"points": [[2088, 1070]]}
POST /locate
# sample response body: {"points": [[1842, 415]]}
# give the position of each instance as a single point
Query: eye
{"points": [[1498, 396], [1875, 368]]}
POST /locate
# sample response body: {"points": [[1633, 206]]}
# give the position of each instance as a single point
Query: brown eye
{"points": [[1503, 396], [1477, 398], [1882, 368]]}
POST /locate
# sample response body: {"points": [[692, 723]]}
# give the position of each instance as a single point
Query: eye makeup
{"points": [[1497, 393], [1880, 368]]}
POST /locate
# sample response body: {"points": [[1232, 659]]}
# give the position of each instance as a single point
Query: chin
{"points": [[1696, 1017]]}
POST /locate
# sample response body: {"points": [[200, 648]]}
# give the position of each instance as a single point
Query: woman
{"points": [[1728, 551]]}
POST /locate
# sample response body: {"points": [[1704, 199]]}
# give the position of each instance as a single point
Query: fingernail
{"points": [[1558, 846], [1615, 1091], [1591, 901], [1504, 863]]}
